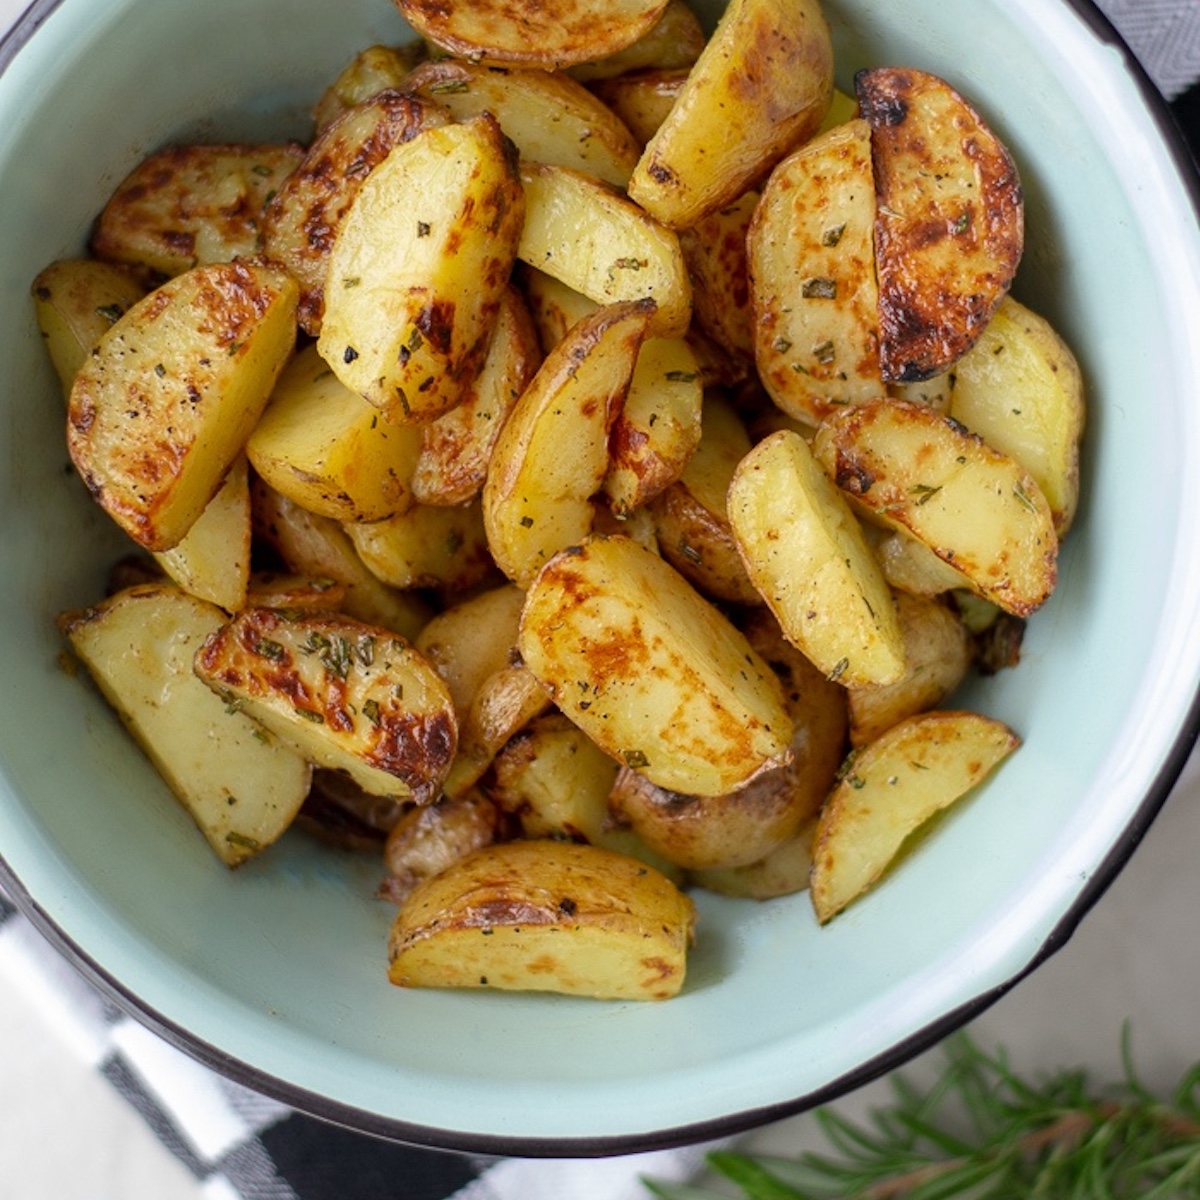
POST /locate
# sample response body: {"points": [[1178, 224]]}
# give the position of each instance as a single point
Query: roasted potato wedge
{"points": [[76, 301], [551, 37], [302, 219], [419, 267], [975, 508], [545, 916], [890, 788], [373, 70], [651, 671], [549, 117], [761, 86], [241, 786], [552, 455], [804, 551], [783, 872], [325, 447], [642, 99], [812, 276], [910, 566], [171, 392], [187, 206], [950, 225], [345, 695], [1020, 388], [595, 241], [674, 41]]}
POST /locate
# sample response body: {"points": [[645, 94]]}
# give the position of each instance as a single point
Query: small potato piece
{"points": [[890, 789], [950, 225], [419, 267], [325, 447], [675, 41], [242, 787], [974, 507], [552, 36], [642, 99], [457, 446], [805, 552], [187, 206], [595, 241], [545, 916], [268, 589], [812, 273], [1020, 388], [213, 559], [761, 87], [552, 454], [302, 220], [937, 656], [373, 70], [346, 695], [651, 671], [783, 872], [76, 301], [550, 117], [910, 566], [170, 394]]}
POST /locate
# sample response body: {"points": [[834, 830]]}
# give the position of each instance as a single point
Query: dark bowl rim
{"points": [[390, 1129]]}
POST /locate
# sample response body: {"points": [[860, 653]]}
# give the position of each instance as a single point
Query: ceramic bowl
{"points": [[275, 974]]}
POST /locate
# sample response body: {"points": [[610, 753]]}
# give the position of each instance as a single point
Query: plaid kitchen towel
{"points": [[242, 1146]]}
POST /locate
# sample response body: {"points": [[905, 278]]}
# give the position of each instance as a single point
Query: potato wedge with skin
{"points": [[545, 916], [595, 241], [975, 508], [373, 70], [911, 566], [213, 559], [937, 657], [169, 395], [890, 789], [551, 37], [269, 589], [76, 301], [950, 225], [674, 41], [761, 87], [549, 117], [1020, 388], [552, 455], [812, 277], [783, 872], [642, 99], [347, 696], [457, 446], [186, 206], [427, 546], [691, 517], [319, 548], [419, 267], [804, 551], [651, 671], [325, 447], [242, 787], [302, 219]]}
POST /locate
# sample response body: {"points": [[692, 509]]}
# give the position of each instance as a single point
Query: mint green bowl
{"points": [[275, 974]]}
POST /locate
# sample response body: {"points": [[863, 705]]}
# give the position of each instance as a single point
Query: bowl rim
{"points": [[1187, 167]]}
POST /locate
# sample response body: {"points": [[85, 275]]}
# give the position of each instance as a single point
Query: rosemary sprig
{"points": [[982, 1131]]}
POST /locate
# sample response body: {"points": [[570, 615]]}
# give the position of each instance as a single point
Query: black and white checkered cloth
{"points": [[242, 1146]]}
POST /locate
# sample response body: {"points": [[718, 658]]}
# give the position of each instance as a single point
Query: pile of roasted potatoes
{"points": [[582, 471]]}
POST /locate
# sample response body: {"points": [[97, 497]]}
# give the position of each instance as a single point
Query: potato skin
{"points": [[545, 916]]}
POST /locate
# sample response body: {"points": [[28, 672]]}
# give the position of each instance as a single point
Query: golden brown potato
{"points": [[550, 36], [345, 695], [419, 267], [170, 394], [187, 206], [889, 789], [761, 86], [76, 301], [373, 70], [549, 117], [783, 872], [950, 223], [974, 507], [651, 671], [812, 273], [276, 589], [241, 785], [674, 41], [328, 449], [911, 566], [545, 916], [642, 99], [804, 551], [303, 217]]}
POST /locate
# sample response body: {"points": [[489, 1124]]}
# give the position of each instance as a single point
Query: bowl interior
{"points": [[276, 973]]}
